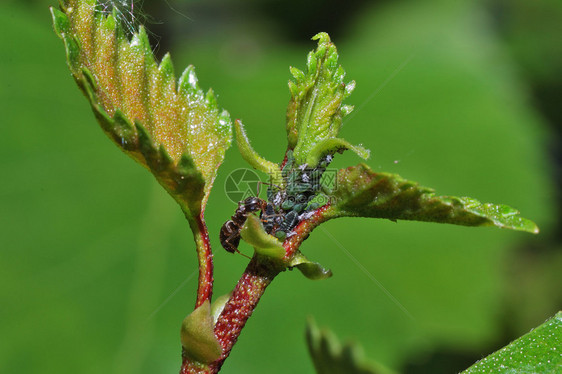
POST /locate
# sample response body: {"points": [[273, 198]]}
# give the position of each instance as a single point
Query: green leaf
{"points": [[198, 337], [539, 351], [254, 234], [332, 145], [311, 270], [315, 111], [329, 357], [172, 128], [361, 192], [253, 158]]}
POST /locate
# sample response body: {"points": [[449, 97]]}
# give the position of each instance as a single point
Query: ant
{"points": [[230, 231]]}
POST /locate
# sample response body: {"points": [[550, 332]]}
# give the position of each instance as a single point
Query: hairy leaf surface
{"points": [[361, 192], [539, 351], [171, 127], [315, 111]]}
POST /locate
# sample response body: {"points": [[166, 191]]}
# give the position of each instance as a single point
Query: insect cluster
{"points": [[285, 207]]}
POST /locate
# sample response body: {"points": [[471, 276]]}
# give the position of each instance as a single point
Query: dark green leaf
{"points": [[329, 357], [539, 351], [361, 192]]}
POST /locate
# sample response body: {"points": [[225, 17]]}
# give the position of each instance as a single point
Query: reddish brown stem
{"points": [[259, 273], [205, 259], [205, 283]]}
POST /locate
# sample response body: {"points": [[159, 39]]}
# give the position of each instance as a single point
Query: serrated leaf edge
{"points": [[501, 216]]}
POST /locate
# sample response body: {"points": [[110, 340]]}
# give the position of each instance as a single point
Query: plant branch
{"points": [[259, 273], [204, 258]]}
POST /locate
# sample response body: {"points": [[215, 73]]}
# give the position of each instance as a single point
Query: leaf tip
{"points": [[297, 74], [60, 21], [311, 270], [322, 37], [211, 99], [224, 125], [532, 227], [166, 67], [143, 40], [188, 81]]}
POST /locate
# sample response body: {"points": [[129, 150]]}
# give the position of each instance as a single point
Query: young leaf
{"points": [[330, 145], [172, 128], [329, 357], [315, 111], [197, 335], [311, 270], [361, 192], [254, 234], [539, 351], [253, 158]]}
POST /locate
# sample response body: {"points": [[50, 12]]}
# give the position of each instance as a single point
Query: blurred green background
{"points": [[97, 267]]}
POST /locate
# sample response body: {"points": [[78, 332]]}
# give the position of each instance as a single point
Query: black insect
{"points": [[270, 219], [290, 221], [230, 231]]}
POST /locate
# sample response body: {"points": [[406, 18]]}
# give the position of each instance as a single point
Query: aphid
{"points": [[288, 204], [291, 219], [270, 219], [298, 208], [230, 231]]}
